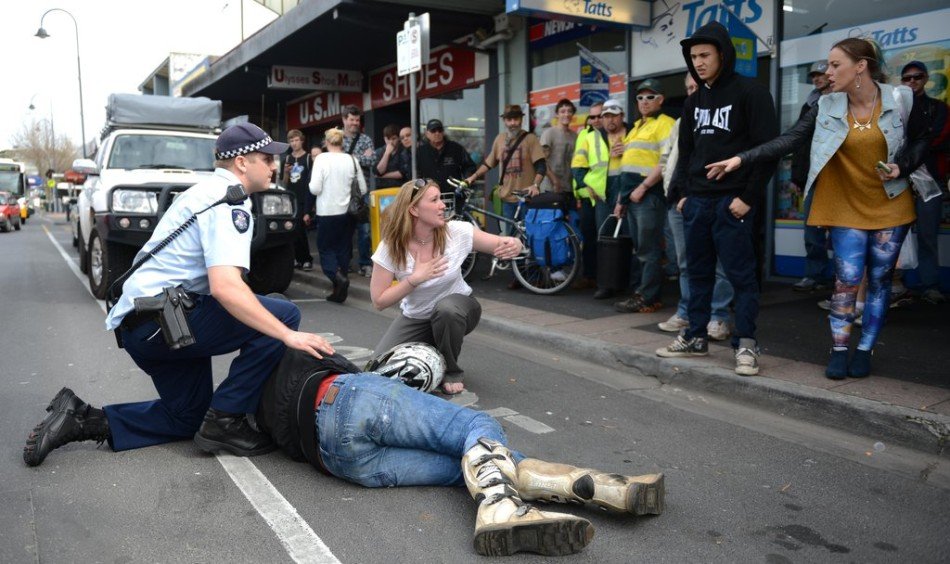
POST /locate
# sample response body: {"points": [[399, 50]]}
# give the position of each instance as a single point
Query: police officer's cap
{"points": [[245, 138]]}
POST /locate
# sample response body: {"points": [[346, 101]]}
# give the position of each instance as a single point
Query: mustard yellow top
{"points": [[849, 192]]}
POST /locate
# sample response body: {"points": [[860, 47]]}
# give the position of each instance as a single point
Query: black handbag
{"points": [[357, 209]]}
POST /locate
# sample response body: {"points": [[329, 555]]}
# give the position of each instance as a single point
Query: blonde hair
{"points": [[334, 136], [398, 223]]}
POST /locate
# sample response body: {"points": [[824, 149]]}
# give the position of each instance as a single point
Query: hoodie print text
{"points": [[717, 118]]}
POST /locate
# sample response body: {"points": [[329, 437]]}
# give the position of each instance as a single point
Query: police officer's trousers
{"points": [[183, 377]]}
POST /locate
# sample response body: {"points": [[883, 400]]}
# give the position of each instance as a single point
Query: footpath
{"points": [[905, 401]]}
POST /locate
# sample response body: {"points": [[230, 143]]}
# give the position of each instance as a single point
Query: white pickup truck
{"points": [[152, 149]]}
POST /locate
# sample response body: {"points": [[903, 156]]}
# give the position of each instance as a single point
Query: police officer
{"points": [[207, 261]]}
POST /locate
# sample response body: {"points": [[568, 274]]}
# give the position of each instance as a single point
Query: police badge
{"points": [[241, 220]]}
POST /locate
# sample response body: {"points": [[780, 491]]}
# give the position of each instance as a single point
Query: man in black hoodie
{"points": [[728, 113]]}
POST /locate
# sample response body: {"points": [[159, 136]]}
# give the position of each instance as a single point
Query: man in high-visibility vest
{"points": [[589, 168], [641, 194]]}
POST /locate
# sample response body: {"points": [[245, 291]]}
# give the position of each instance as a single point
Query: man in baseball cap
{"points": [[933, 112], [816, 251], [205, 264]]}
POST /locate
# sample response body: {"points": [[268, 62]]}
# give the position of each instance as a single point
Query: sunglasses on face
{"points": [[650, 97], [909, 77], [592, 116]]}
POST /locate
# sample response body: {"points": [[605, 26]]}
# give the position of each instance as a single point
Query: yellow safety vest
{"points": [[592, 153]]}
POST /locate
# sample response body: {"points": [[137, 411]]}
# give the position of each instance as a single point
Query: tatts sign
{"points": [[448, 68], [320, 108]]}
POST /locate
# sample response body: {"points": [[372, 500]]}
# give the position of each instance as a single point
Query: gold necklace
{"points": [[869, 123]]}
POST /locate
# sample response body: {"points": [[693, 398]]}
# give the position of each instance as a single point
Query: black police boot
{"points": [[341, 286], [70, 420], [231, 432]]}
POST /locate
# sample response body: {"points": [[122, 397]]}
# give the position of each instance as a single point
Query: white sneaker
{"points": [[747, 358], [674, 324], [825, 305], [558, 276], [718, 330]]}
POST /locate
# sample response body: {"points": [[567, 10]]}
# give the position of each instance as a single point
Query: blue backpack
{"points": [[548, 236]]}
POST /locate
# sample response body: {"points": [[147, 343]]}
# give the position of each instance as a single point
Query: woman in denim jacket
{"points": [[866, 205]]}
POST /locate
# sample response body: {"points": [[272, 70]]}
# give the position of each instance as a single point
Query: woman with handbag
{"points": [[336, 181], [863, 149], [423, 253]]}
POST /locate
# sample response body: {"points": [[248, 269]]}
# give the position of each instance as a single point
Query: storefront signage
{"points": [[657, 50], [918, 29], [612, 12], [320, 108], [448, 68], [305, 78], [549, 32]]}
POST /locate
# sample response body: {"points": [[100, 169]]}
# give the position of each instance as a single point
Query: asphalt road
{"points": [[742, 485]]}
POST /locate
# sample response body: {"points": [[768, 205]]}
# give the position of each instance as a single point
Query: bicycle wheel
{"points": [[542, 279], [468, 265]]}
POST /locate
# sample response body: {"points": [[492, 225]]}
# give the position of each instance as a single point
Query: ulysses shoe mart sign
{"points": [[626, 13]]}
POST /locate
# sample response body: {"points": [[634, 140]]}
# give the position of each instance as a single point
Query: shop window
{"points": [[463, 115], [811, 17], [559, 64]]}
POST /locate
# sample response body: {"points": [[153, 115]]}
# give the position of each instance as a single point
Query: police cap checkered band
{"points": [[245, 138]]}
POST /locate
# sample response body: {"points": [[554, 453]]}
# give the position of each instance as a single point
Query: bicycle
{"points": [[528, 270]]}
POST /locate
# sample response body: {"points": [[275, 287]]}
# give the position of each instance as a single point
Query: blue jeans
{"points": [[363, 245], [722, 290], [182, 377], [816, 246], [381, 433], [508, 209], [335, 244], [713, 232], [646, 220], [928, 229]]}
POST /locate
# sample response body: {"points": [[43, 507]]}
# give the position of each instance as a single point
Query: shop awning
{"points": [[337, 34]]}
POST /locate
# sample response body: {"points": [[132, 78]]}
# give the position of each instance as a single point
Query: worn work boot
{"points": [[561, 483], [70, 420], [505, 524], [231, 432]]}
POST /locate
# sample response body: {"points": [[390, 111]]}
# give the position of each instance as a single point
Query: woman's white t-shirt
{"points": [[421, 301]]}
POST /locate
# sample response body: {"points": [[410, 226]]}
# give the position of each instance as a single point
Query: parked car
{"points": [[9, 212]]}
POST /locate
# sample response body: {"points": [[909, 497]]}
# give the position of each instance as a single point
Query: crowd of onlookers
{"points": [[690, 192]]}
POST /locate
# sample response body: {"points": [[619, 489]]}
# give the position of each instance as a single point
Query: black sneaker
{"points": [[697, 346], [69, 420], [231, 432]]}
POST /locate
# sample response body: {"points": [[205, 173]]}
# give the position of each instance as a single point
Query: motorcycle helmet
{"points": [[418, 365]]}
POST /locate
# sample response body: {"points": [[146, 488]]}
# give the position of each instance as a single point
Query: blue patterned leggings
{"points": [[857, 250]]}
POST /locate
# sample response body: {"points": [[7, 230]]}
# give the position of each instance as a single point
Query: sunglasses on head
{"points": [[909, 77], [421, 183], [650, 97]]}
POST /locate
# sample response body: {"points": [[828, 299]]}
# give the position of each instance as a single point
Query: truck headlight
{"points": [[134, 201], [277, 204]]}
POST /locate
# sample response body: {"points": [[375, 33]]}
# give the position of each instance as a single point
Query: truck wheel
{"points": [[106, 263], [271, 269], [83, 252]]}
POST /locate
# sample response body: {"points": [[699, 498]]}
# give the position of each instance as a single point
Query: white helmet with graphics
{"points": [[418, 365]]}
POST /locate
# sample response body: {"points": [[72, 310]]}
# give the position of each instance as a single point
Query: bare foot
{"points": [[452, 388]]}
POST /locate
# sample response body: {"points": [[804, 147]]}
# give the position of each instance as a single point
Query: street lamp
{"points": [[52, 130], [41, 33]]}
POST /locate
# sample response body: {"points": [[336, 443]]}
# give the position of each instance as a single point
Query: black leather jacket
{"points": [[908, 158]]}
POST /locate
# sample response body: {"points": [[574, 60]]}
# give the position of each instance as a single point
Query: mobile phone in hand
{"points": [[882, 166]]}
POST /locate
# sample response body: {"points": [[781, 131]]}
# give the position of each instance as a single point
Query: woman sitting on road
{"points": [[867, 207], [333, 174], [424, 252]]}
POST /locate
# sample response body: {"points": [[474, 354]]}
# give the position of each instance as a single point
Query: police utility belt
{"points": [[170, 309]]}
